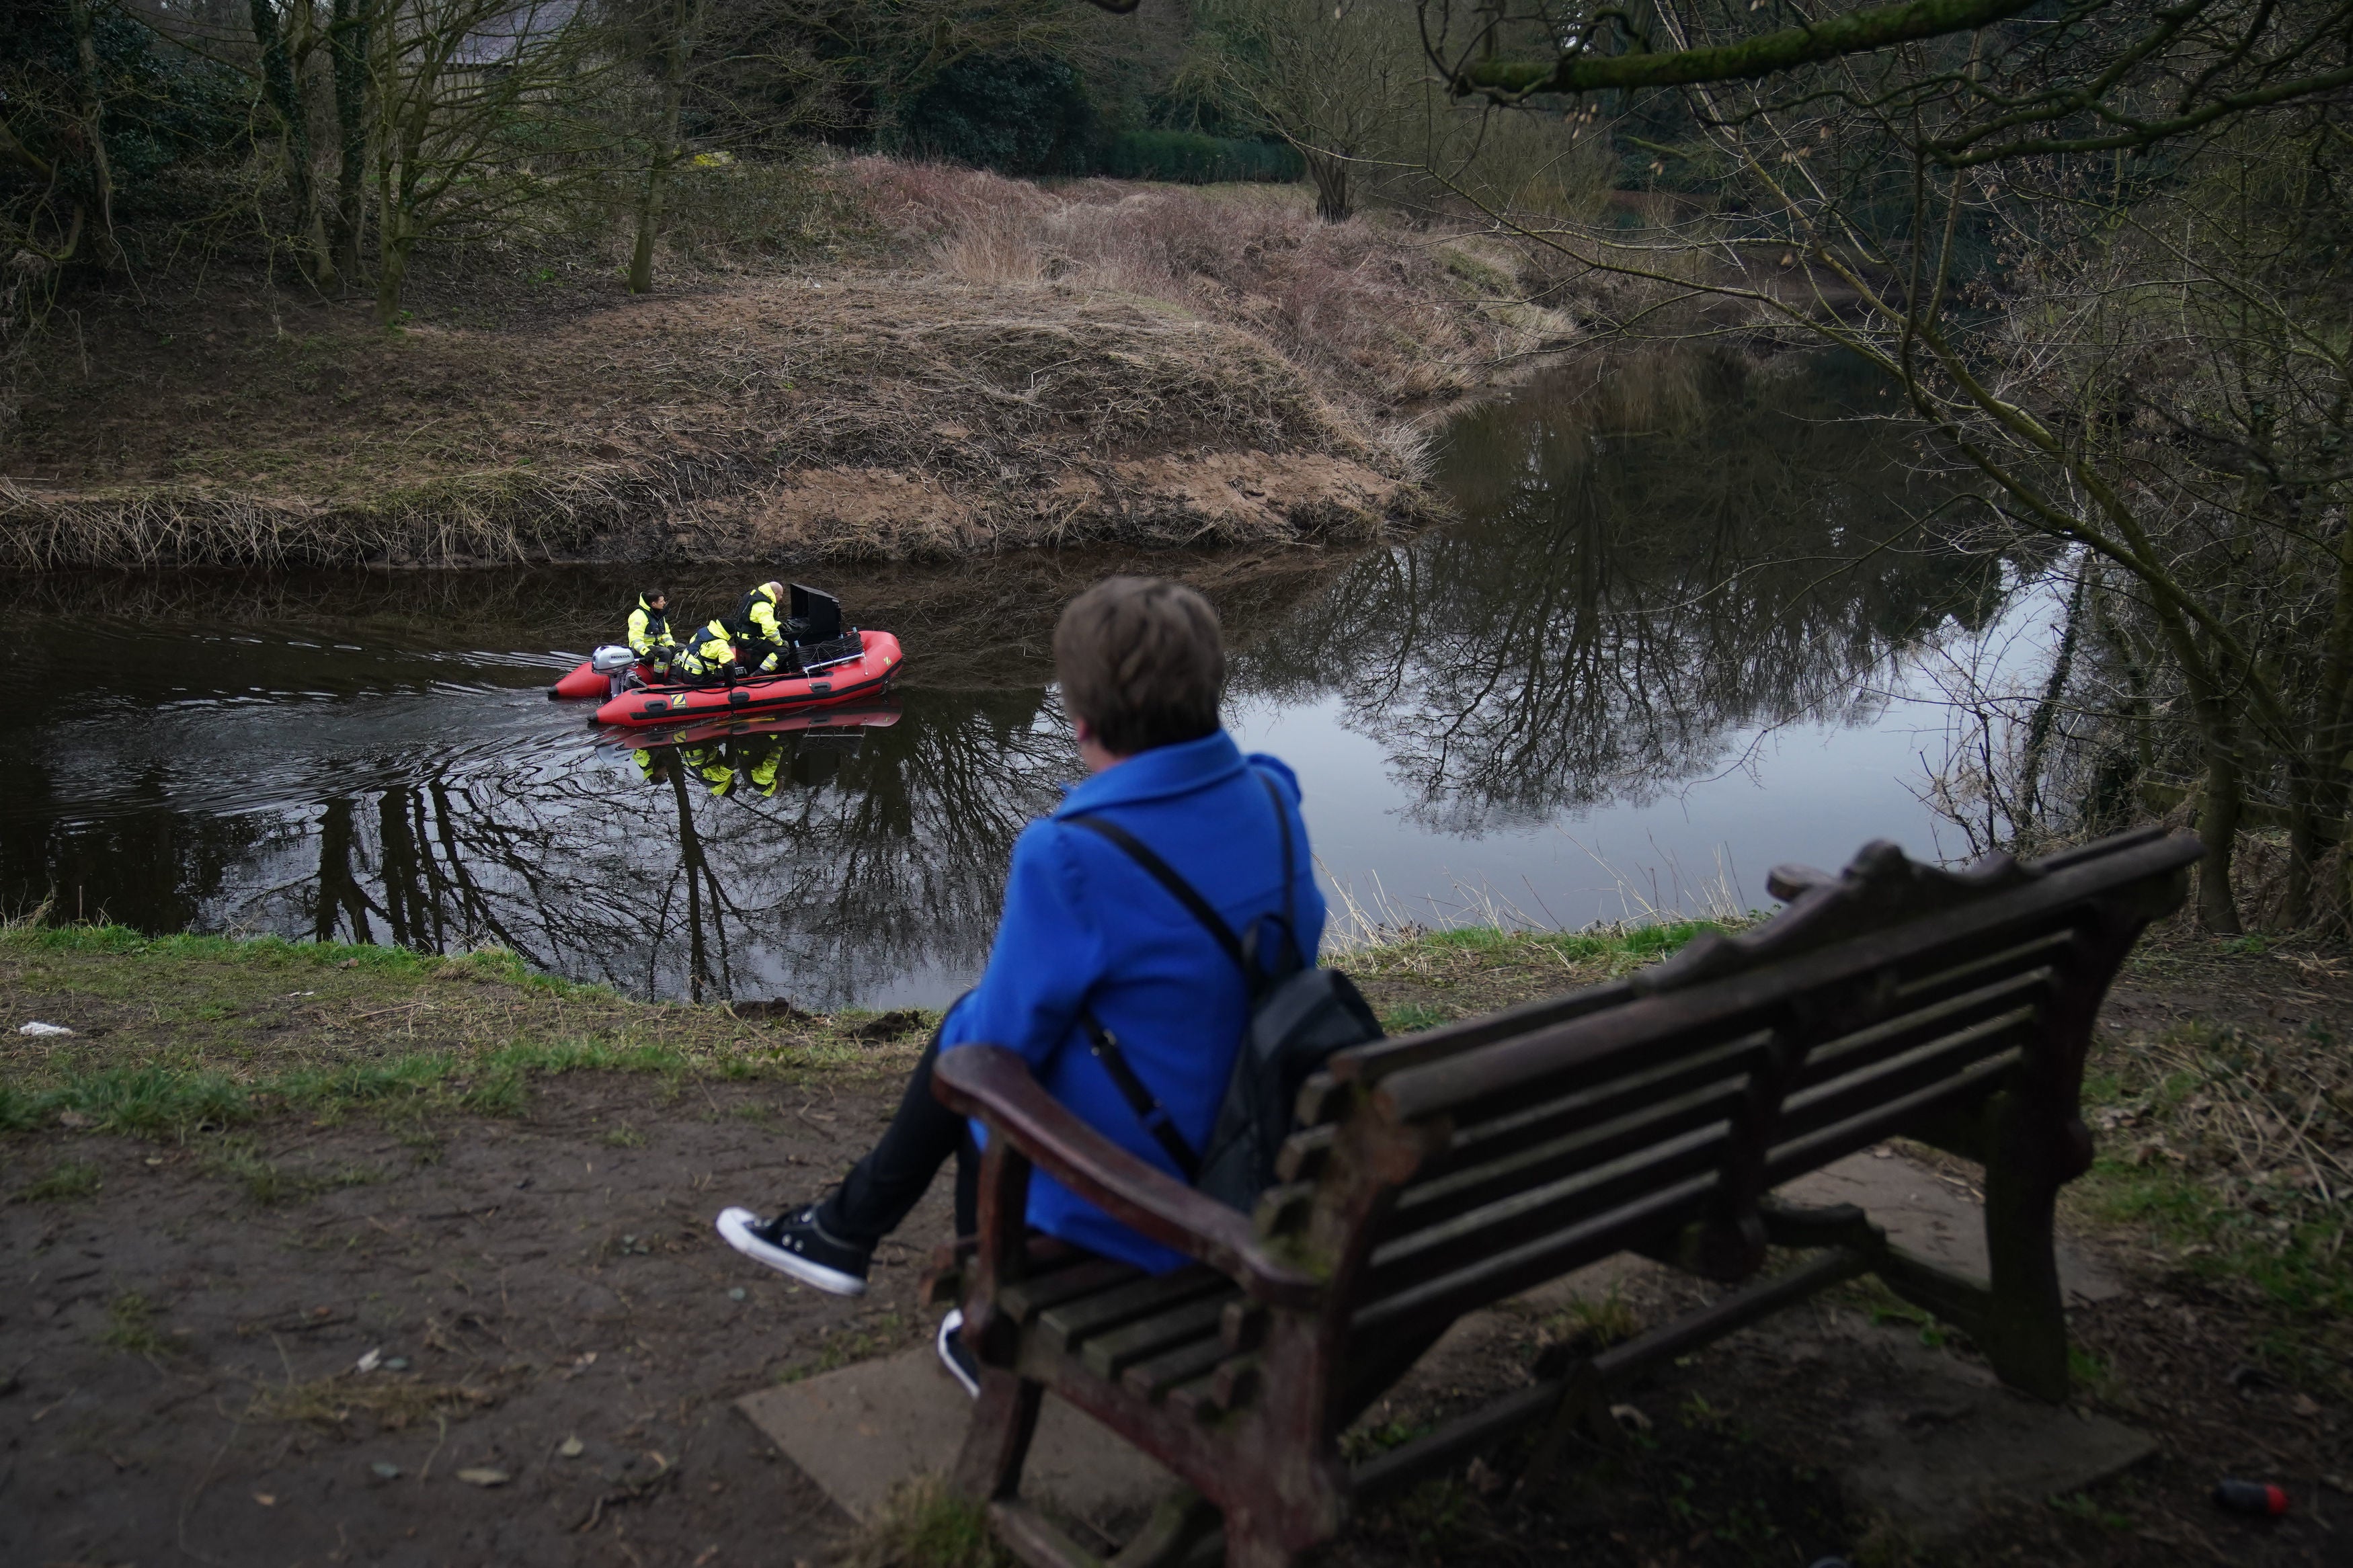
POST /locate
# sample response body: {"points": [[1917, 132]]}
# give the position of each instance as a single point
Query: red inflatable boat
{"points": [[864, 675]]}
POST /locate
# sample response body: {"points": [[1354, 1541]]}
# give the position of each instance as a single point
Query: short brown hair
{"points": [[1141, 661]]}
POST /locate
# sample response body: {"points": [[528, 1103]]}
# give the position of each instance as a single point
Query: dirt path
{"points": [[546, 1301]]}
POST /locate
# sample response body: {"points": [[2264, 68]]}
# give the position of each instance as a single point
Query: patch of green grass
{"points": [[1414, 1015], [131, 1326], [209, 1032], [1594, 1325], [846, 1346], [924, 1524], [1597, 952], [66, 1179], [268, 1184], [623, 1137], [149, 1101], [2176, 1159], [1361, 1443], [2091, 1374]]}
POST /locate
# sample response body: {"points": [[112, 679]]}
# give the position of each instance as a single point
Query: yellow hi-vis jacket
{"points": [[649, 629]]}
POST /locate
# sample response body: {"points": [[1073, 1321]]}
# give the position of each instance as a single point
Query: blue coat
{"points": [[1085, 926]]}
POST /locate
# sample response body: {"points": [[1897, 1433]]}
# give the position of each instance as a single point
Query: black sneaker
{"points": [[955, 1356], [793, 1243]]}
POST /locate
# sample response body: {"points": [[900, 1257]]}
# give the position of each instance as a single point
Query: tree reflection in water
{"points": [[822, 864], [1625, 594]]}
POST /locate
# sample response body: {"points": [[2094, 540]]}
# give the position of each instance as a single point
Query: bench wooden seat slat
{"points": [[1438, 1173], [1156, 1375], [1072, 1323], [1111, 1352], [1035, 1293]]}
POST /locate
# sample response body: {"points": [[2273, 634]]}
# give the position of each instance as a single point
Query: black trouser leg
{"points": [[896, 1174]]}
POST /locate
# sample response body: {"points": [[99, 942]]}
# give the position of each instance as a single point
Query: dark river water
{"points": [[1671, 640]]}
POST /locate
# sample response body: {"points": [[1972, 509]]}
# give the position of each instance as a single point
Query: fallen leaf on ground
{"points": [[573, 1448], [265, 1500], [483, 1477], [372, 1359]]}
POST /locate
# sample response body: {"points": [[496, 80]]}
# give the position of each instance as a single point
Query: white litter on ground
{"points": [[44, 1030]]}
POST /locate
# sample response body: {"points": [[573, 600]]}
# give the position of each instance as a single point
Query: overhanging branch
{"points": [[1856, 32]]}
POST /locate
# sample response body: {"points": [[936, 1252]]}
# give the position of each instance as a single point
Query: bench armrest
{"points": [[994, 1084]]}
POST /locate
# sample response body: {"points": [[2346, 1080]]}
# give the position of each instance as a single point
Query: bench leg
{"points": [[988, 1469], [2027, 1320]]}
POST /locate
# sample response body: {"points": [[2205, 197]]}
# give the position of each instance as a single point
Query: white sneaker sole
{"points": [[736, 1226], [949, 1326]]}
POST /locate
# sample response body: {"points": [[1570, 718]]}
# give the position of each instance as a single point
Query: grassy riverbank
{"points": [[254, 1163], [2224, 1138], [855, 361]]}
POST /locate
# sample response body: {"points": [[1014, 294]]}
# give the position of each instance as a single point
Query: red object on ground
{"points": [[2250, 1496], [867, 676]]}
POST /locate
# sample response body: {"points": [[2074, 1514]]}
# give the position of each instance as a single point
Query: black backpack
{"points": [[1298, 1017]]}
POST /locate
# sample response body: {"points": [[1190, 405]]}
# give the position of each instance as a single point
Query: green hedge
{"points": [[1196, 159]]}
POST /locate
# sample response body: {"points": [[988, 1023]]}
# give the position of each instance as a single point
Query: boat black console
{"points": [[819, 638], [818, 613]]}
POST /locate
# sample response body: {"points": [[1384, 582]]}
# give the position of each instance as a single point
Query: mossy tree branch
{"points": [[1856, 32]]}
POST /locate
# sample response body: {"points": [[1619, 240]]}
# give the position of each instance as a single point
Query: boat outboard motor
{"points": [[615, 662]]}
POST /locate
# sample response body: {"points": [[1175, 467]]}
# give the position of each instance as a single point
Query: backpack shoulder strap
{"points": [[1140, 1098], [1166, 874], [1282, 825]]}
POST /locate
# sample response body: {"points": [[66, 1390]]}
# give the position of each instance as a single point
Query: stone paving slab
{"points": [[1925, 1213], [858, 1431], [1929, 1441]]}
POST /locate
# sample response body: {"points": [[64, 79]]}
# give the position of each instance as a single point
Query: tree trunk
{"points": [[1330, 176], [285, 99], [101, 170], [391, 268], [347, 47], [684, 30], [2046, 713], [2218, 825]]}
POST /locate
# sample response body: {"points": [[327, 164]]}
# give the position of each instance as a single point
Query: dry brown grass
{"points": [[389, 1402], [1009, 365], [1390, 315]]}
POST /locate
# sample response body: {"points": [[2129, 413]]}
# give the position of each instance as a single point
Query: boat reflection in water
{"points": [[1629, 591]]}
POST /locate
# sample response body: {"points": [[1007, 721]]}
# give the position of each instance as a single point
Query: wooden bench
{"points": [[1443, 1172]]}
